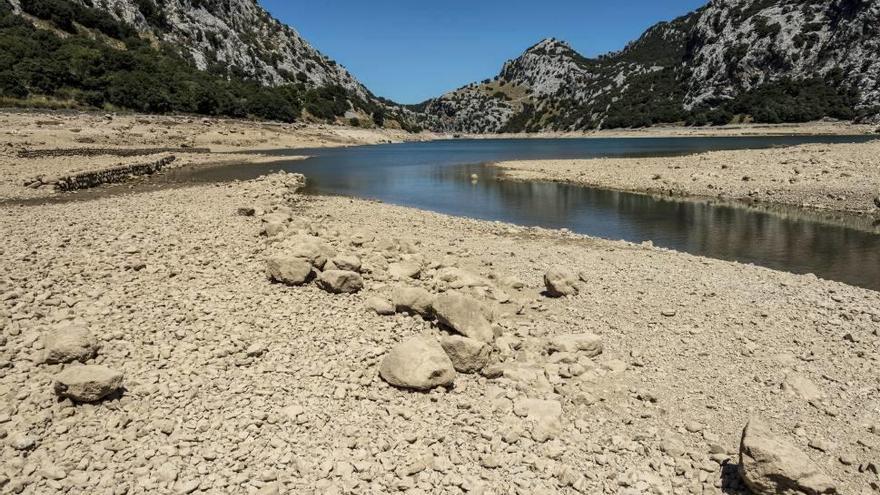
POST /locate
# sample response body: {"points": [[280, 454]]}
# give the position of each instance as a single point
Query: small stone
{"points": [[545, 414], [418, 363], [413, 300], [340, 282], [167, 472], [348, 263], [247, 211], [23, 442], [405, 270], [668, 313], [801, 386], [52, 472], [588, 344], [467, 355], [561, 282], [87, 383], [288, 270], [380, 306], [70, 343]]}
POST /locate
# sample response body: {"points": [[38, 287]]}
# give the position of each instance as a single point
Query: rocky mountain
{"points": [[234, 36], [764, 60]]}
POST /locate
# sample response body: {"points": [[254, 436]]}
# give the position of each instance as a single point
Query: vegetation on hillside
{"points": [[87, 58]]}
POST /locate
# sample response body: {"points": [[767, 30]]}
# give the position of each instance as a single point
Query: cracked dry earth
{"points": [[233, 384]]}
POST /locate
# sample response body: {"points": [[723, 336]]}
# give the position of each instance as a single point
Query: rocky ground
{"points": [[203, 376], [829, 177]]}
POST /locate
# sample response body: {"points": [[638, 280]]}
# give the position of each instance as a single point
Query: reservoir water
{"points": [[436, 176]]}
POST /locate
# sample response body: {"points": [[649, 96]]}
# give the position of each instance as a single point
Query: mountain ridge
{"points": [[724, 62]]}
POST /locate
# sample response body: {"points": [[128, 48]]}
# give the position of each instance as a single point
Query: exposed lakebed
{"points": [[437, 176]]}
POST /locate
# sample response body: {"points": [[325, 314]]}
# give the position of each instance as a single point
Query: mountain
{"points": [[732, 60], [226, 57]]}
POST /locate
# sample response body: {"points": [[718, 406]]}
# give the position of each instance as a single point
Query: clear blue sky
{"points": [[412, 50]]}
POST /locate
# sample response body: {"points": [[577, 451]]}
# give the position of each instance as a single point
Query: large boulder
{"points": [[413, 300], [419, 364], [770, 465], [288, 270], [467, 355], [586, 343], [561, 282], [70, 343], [87, 383], [464, 315], [340, 282]]}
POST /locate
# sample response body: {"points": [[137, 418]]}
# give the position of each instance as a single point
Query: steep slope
{"points": [[215, 57], [237, 37], [765, 60]]}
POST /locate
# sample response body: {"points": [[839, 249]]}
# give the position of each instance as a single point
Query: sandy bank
{"points": [[833, 177], [235, 385]]}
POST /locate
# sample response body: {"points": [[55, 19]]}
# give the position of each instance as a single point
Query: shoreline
{"points": [[173, 285], [814, 178]]}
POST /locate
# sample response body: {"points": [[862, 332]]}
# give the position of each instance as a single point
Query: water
{"points": [[437, 176]]}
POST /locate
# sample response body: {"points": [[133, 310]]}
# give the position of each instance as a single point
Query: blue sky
{"points": [[412, 50]]}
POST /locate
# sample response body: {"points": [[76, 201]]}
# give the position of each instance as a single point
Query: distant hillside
{"points": [[216, 57], [733, 60]]}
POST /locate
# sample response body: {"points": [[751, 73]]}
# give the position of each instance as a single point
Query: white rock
{"points": [[418, 363], [414, 300], [405, 270], [380, 305], [288, 270], [561, 282], [464, 315], [467, 355], [546, 416], [340, 282], [348, 263], [770, 465], [89, 383], [585, 343], [70, 343]]}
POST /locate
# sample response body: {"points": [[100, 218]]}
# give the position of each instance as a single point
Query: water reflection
{"points": [[437, 176]]}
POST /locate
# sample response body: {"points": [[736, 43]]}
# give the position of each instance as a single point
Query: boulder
{"points": [[463, 315], [413, 300], [288, 270], [70, 343], [419, 364], [309, 248], [405, 270], [467, 355], [87, 383], [769, 465], [348, 262], [340, 282], [560, 282], [380, 305], [585, 343]]}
